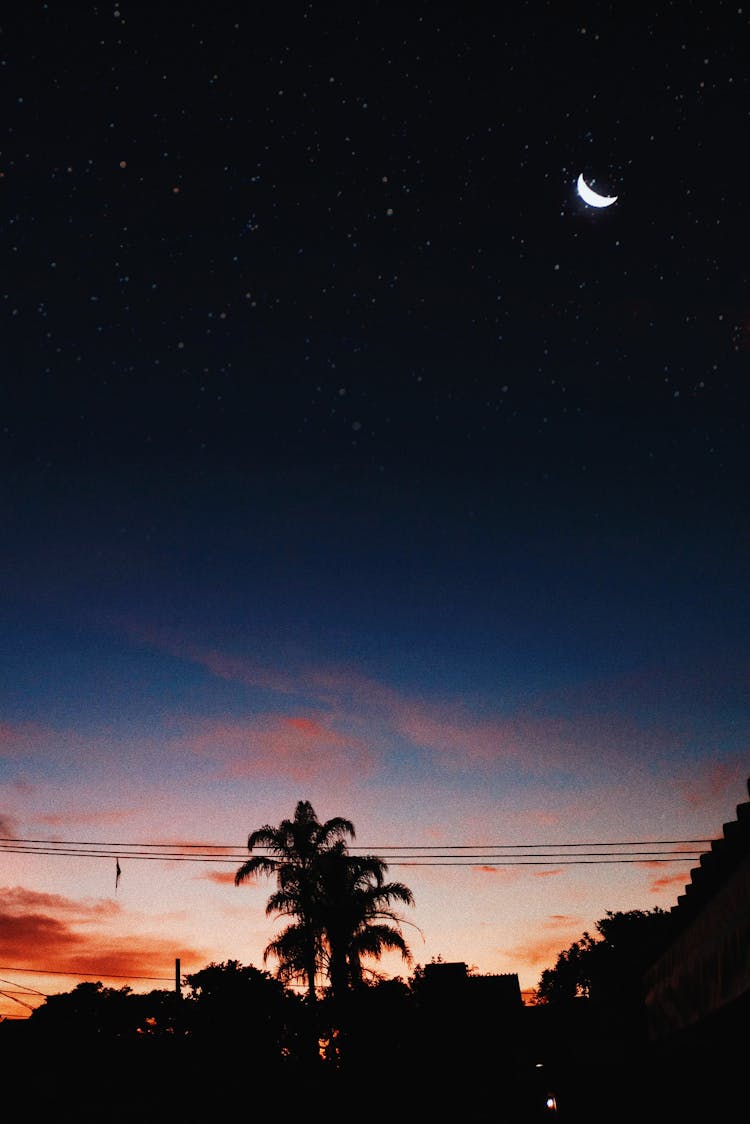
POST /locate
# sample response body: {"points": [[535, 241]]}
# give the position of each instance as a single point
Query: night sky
{"points": [[348, 455]]}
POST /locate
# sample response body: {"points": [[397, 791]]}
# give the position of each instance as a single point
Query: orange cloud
{"points": [[539, 954], [669, 882], [222, 877], [513, 872], [34, 933], [543, 950], [561, 921], [50, 934]]}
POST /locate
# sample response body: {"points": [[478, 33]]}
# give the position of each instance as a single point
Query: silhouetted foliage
{"points": [[340, 904], [234, 1005], [356, 916], [89, 1011], [377, 1020], [294, 849], [226, 1006], [160, 1014], [341, 911], [608, 970]]}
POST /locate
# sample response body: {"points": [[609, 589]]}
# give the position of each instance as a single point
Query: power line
{"points": [[409, 855], [89, 975], [8, 995], [369, 848], [14, 995], [25, 988], [412, 855], [406, 861]]}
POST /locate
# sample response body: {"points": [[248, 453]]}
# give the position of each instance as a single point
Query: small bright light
{"points": [[551, 1102]]}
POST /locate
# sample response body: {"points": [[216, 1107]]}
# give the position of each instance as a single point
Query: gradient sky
{"points": [[348, 456]]}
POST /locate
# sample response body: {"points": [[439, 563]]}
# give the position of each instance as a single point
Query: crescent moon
{"points": [[591, 197]]}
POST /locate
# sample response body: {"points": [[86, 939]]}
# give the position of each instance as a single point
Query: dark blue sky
{"points": [[344, 448]]}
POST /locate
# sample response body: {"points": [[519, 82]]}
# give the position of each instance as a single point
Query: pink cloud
{"points": [[711, 780], [299, 747], [462, 739], [22, 738], [33, 739], [238, 669], [454, 736], [64, 819], [587, 743], [9, 828]]}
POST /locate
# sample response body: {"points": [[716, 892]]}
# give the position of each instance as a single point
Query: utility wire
{"points": [[407, 861], [442, 854], [368, 849], [412, 855], [14, 983], [90, 975], [13, 995], [7, 995]]}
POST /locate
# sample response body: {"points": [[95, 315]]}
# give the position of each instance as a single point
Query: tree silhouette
{"points": [[89, 1011], [340, 905], [232, 1007], [356, 915], [608, 971], [95, 1012], [295, 848]]}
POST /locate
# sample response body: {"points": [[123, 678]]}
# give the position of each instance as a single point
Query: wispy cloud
{"points": [[81, 817], [668, 882], [299, 747], [221, 877], [580, 742], [237, 669], [710, 779], [19, 739], [9, 828], [559, 932]]}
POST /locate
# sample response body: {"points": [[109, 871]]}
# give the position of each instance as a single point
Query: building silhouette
{"points": [[698, 990]]}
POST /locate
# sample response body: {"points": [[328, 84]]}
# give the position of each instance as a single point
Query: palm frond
{"points": [[377, 939], [258, 864]]}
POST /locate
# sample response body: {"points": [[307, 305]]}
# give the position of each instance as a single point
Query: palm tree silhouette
{"points": [[294, 851], [356, 917]]}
